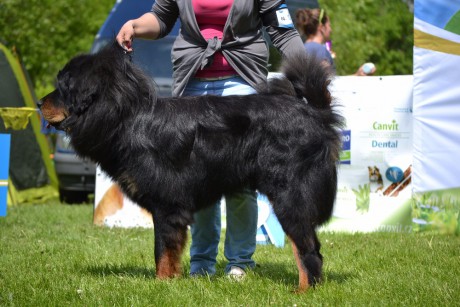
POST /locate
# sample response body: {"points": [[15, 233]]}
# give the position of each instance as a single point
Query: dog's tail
{"points": [[309, 78]]}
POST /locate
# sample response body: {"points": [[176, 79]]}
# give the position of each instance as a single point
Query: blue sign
{"points": [[269, 230], [345, 155], [4, 170]]}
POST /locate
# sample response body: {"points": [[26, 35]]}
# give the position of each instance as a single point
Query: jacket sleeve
{"points": [[284, 37], [167, 13], [286, 41]]}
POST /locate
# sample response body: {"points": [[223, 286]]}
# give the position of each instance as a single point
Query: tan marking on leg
{"points": [[169, 265], [303, 276]]}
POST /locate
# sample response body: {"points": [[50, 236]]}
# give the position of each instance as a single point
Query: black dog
{"points": [[174, 156]]}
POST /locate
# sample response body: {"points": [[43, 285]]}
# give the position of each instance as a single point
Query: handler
{"points": [[315, 25], [221, 51]]}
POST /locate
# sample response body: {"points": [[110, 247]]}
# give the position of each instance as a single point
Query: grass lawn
{"points": [[52, 255]]}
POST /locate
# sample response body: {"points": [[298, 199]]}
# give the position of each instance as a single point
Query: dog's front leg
{"points": [[169, 244]]}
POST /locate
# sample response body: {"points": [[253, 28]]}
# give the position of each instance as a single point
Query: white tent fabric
{"points": [[436, 97]]}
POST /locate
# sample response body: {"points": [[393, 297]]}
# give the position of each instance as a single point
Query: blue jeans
{"points": [[240, 236]]}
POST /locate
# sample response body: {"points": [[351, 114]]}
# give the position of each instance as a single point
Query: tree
{"points": [[48, 33], [371, 31]]}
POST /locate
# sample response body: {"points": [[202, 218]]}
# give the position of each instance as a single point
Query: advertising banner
{"points": [[374, 182], [436, 183], [113, 209]]}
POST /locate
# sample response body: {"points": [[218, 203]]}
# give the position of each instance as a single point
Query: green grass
{"points": [[51, 255]]}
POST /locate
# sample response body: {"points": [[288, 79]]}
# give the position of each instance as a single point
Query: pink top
{"points": [[211, 16]]}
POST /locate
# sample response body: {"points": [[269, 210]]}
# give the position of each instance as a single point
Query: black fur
{"points": [[174, 156]]}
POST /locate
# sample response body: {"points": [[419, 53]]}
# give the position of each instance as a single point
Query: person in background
{"points": [[220, 50], [315, 25]]}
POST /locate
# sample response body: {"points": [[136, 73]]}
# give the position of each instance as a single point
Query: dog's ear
{"points": [[85, 100], [115, 52], [77, 85], [115, 47]]}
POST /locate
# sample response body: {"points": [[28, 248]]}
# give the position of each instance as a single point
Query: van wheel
{"points": [[73, 197]]}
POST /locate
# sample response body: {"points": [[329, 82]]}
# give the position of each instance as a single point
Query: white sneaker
{"points": [[236, 273]]}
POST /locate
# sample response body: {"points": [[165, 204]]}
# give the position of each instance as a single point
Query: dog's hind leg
{"points": [[170, 240], [309, 261], [307, 205], [300, 230]]}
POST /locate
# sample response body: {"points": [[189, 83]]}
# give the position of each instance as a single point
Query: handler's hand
{"points": [[126, 35], [361, 71]]}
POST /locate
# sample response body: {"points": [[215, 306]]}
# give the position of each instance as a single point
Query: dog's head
{"points": [[54, 110], [84, 82], [374, 173]]}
